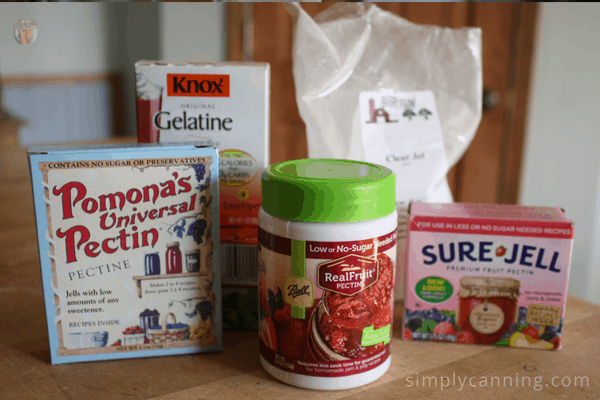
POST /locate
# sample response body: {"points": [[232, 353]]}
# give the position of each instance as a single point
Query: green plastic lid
{"points": [[318, 190]]}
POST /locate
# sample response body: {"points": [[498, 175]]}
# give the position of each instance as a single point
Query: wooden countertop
{"points": [[25, 372]]}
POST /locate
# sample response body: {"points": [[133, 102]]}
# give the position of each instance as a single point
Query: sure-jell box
{"points": [[487, 274], [227, 103]]}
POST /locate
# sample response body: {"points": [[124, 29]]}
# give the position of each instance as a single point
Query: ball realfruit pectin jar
{"points": [[327, 251]]}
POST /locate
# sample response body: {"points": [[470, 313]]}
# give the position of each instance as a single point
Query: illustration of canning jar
{"points": [[174, 262], [151, 264], [487, 306], [192, 260]]}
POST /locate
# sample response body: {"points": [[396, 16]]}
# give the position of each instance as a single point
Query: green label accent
{"points": [[298, 312], [371, 336], [298, 270], [434, 289], [427, 326]]}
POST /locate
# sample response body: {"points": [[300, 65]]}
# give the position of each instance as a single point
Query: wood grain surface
{"points": [[25, 372]]}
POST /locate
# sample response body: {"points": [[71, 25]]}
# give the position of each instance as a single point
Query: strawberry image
{"points": [[407, 334], [556, 342], [283, 315], [465, 337], [291, 340], [264, 302], [532, 332], [500, 251], [292, 333], [444, 328], [267, 333]]}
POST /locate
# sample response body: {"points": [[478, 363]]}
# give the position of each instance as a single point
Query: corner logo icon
{"points": [[25, 31], [375, 113]]}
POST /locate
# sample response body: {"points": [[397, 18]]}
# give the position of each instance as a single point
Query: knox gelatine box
{"points": [[487, 274], [126, 237], [227, 103]]}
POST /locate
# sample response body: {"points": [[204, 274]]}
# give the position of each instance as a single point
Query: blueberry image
{"points": [[522, 313], [439, 317], [513, 327], [506, 336]]}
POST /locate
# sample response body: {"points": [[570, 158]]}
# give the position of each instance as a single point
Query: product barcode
{"points": [[239, 264]]}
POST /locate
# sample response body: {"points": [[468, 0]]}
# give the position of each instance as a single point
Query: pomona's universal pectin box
{"points": [[126, 249], [227, 103], [487, 274]]}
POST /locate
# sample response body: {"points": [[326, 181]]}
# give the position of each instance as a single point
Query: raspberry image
{"points": [[556, 342], [532, 332], [407, 334], [465, 337], [444, 328]]}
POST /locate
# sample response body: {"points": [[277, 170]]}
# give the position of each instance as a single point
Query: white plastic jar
{"points": [[327, 239]]}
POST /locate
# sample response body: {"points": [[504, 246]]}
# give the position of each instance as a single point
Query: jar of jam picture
{"points": [[149, 319], [336, 326], [487, 307], [151, 264], [174, 259], [192, 260]]}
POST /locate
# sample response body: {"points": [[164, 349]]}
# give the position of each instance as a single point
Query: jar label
{"points": [[486, 318], [349, 274], [326, 308], [298, 291]]}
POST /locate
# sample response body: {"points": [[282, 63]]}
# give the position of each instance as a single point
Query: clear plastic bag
{"points": [[355, 57]]}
